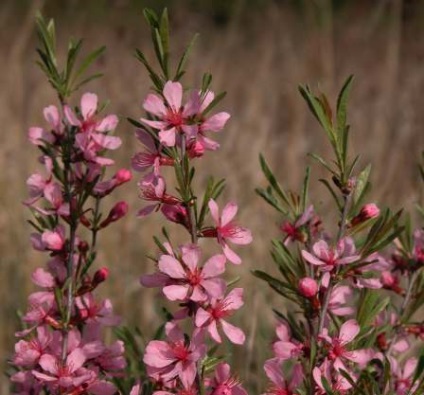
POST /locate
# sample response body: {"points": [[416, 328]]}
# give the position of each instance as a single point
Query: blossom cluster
{"points": [[175, 134], [61, 349]]}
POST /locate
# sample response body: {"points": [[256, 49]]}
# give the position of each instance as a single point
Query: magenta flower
{"points": [[175, 357], [91, 311], [227, 230], [39, 136], [172, 117], [214, 315], [327, 258], [186, 280], [224, 383], [293, 230]]}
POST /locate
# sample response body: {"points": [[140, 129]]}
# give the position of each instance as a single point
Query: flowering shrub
{"points": [[350, 319], [353, 291]]}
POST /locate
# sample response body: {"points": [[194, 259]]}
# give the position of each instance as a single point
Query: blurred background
{"points": [[258, 51]]}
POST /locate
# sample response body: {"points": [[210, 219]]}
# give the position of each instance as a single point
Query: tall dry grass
{"points": [[259, 58]]}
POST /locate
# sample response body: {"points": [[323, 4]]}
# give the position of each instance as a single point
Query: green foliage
{"points": [[71, 76]]}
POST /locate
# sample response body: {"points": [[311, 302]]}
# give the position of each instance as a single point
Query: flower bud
{"points": [[122, 176], [100, 276], [308, 287], [118, 211], [367, 212]]}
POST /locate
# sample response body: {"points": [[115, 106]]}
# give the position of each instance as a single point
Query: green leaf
{"points": [[370, 305], [342, 103], [305, 189], [282, 288], [361, 184], [420, 368], [270, 199], [181, 65], [273, 182], [87, 62]]}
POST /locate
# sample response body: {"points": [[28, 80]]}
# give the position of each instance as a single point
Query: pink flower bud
{"points": [[122, 176], [367, 212], [308, 287], [118, 211], [100, 276], [370, 211]]}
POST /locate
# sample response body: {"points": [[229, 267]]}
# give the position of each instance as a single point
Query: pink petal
{"points": [[274, 372], [71, 117], [154, 280], [146, 210], [51, 114], [49, 363], [202, 316], [191, 256], [234, 300], [311, 259], [75, 360], [207, 99], [215, 287], [216, 122], [409, 368], [234, 334], [348, 331], [214, 266], [167, 137], [172, 267], [231, 255], [213, 331], [154, 124], [283, 332], [107, 142], [213, 208], [155, 354], [240, 236], [154, 105], [175, 292], [88, 105], [173, 92], [228, 213], [146, 139], [107, 124], [43, 278]]}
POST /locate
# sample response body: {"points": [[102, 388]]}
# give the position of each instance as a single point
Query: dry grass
{"points": [[259, 59]]}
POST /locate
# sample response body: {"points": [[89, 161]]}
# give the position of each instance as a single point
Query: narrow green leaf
{"points": [[342, 103]]}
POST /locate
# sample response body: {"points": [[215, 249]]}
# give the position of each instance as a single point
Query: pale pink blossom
{"points": [[224, 383], [403, 376], [227, 231], [285, 347], [328, 258], [213, 315], [339, 351], [281, 385], [175, 357], [335, 379], [340, 295], [172, 118], [184, 279]]}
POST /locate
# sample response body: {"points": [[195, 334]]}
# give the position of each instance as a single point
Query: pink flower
{"points": [[294, 230], [215, 313], [285, 348], [224, 383], [154, 190], [227, 230], [307, 287], [175, 357], [186, 280], [334, 378], [403, 376], [53, 240], [28, 353], [118, 211], [367, 212], [214, 123], [338, 352], [92, 137], [339, 297], [63, 375], [328, 258], [280, 385], [152, 157], [91, 311], [173, 118]]}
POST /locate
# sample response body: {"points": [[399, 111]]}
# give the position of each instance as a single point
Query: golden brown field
{"points": [[259, 56]]}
